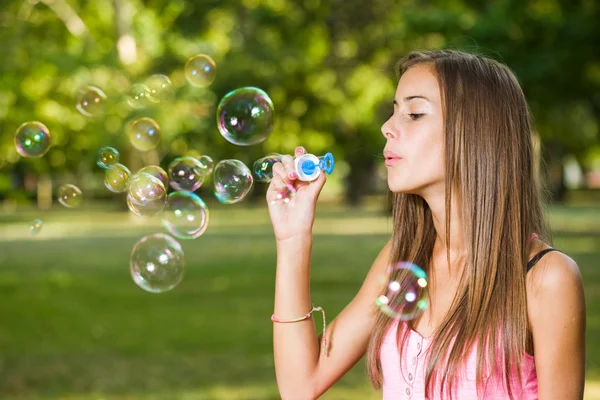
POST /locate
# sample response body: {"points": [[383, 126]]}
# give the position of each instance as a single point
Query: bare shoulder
{"points": [[555, 273], [555, 296], [556, 311]]}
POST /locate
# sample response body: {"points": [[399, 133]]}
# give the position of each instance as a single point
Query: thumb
{"points": [[316, 185]]}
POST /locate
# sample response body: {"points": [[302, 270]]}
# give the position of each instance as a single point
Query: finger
{"points": [[288, 163], [280, 178], [300, 151]]}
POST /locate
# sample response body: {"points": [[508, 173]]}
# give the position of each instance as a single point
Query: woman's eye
{"points": [[415, 117]]}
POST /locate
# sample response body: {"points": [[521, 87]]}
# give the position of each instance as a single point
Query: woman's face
{"points": [[414, 150]]}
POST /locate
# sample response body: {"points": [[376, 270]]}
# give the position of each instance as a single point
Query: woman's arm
{"points": [[303, 372], [556, 308]]}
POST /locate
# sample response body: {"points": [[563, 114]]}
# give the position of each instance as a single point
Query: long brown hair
{"points": [[489, 162]]}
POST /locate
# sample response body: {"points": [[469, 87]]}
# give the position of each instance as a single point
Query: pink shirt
{"points": [[406, 379]]}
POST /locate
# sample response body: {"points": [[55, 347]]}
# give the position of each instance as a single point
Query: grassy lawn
{"points": [[75, 326]]}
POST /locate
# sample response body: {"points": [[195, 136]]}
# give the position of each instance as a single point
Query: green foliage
{"points": [[328, 66]]}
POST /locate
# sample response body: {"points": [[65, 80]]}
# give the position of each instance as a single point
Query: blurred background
{"points": [[73, 323]]}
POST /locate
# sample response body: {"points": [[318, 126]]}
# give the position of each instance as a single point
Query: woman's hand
{"points": [[293, 218]]}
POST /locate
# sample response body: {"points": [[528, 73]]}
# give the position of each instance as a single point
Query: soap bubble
{"points": [[207, 164], [116, 178], [69, 196], [406, 294], [35, 227], [186, 173], [245, 116], [156, 172], [200, 70], [146, 195], [144, 133], [263, 167], [138, 96], [161, 88], [232, 180], [90, 101], [32, 139], [107, 157], [185, 216], [157, 263]]}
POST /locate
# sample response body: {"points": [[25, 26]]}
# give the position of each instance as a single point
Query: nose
{"points": [[388, 130]]}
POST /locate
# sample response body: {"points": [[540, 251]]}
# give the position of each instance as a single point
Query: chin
{"points": [[402, 187]]}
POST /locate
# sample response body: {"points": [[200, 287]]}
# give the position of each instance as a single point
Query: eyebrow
{"points": [[409, 98]]}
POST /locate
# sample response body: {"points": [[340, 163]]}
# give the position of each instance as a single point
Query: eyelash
{"points": [[412, 116], [415, 117]]}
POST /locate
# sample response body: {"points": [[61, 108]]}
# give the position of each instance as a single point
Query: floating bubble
{"points": [[161, 88], [207, 164], [263, 167], [200, 70], [90, 101], [156, 172], [35, 227], [286, 194], [186, 173], [146, 195], [232, 180], [185, 216], [32, 139], [138, 96], [116, 178], [406, 294], [107, 157], [245, 116], [69, 196], [144, 133], [157, 263]]}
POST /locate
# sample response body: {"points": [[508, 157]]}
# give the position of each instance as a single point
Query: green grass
{"points": [[73, 325]]}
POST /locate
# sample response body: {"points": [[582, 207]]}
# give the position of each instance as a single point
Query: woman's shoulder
{"points": [[552, 270]]}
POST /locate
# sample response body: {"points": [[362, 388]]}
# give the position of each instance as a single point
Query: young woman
{"points": [[507, 313]]}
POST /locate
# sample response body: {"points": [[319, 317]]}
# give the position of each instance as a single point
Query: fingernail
{"points": [[299, 151], [292, 175]]}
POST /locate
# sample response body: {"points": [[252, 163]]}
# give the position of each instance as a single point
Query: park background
{"points": [[73, 325]]}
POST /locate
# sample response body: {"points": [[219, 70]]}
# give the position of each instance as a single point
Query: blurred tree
{"points": [[327, 65]]}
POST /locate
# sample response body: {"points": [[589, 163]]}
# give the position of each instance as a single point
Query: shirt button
{"points": [[410, 376], [407, 391], [414, 360], [419, 346]]}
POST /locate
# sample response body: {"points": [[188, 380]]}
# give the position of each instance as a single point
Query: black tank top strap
{"points": [[538, 256]]}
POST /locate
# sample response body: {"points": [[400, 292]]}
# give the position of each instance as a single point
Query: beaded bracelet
{"points": [[304, 318]]}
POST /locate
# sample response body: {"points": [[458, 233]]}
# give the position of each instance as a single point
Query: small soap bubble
{"points": [[32, 139], [406, 293], [245, 116], [90, 101], [36, 226], [207, 164], [286, 194], [116, 178], [186, 173], [161, 88], [69, 196], [157, 263], [144, 133], [200, 70], [156, 172], [107, 157], [263, 167], [185, 216], [146, 195], [138, 96], [232, 181]]}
